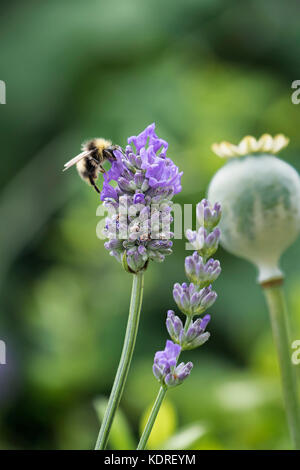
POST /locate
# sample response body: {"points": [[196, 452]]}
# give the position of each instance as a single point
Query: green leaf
{"points": [[186, 437]]}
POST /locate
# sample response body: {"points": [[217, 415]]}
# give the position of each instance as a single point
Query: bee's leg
{"points": [[94, 185], [101, 169]]}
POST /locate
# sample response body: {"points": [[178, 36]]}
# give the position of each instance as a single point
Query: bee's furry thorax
{"points": [[97, 145]]}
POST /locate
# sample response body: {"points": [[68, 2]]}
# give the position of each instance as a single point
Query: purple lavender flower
{"points": [[199, 272], [206, 239], [204, 242], [146, 180], [174, 326], [165, 369], [191, 301], [144, 165], [194, 337], [179, 374], [196, 334], [166, 360], [138, 198], [140, 141], [208, 216]]}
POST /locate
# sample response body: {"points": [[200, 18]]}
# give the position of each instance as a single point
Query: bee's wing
{"points": [[76, 159]]}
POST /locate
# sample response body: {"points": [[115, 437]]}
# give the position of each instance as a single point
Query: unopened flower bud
{"points": [[196, 334], [174, 326], [191, 301], [179, 374], [199, 272], [208, 216], [204, 242], [165, 361]]}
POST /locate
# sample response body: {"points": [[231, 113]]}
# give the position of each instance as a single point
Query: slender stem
{"points": [[158, 402], [278, 312], [187, 323], [124, 364], [154, 412]]}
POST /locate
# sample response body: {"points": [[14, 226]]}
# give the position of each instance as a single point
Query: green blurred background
{"points": [[204, 71]]}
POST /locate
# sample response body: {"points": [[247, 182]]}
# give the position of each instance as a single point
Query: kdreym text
{"points": [[171, 459]]}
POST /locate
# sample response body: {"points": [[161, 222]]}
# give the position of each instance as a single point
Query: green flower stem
{"points": [[187, 323], [151, 420], [279, 318], [157, 404], [124, 364]]}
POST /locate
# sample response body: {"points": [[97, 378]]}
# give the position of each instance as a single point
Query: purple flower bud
{"points": [[198, 341], [208, 216], [157, 256], [190, 334], [139, 179], [183, 370], [191, 235], [207, 297], [179, 374], [142, 250], [196, 335], [204, 322], [158, 371], [169, 355], [108, 192], [138, 198], [165, 361], [192, 301], [174, 326], [205, 243], [200, 273], [126, 185], [136, 258]]}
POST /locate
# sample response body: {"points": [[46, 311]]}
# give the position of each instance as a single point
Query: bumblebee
{"points": [[89, 162]]}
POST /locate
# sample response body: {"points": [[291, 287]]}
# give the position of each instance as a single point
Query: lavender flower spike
{"points": [[144, 176], [165, 361], [191, 301], [204, 242], [196, 334], [208, 216], [194, 337], [199, 272], [164, 367]]}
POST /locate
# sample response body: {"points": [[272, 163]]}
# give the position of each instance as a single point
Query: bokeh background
{"points": [[204, 71]]}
